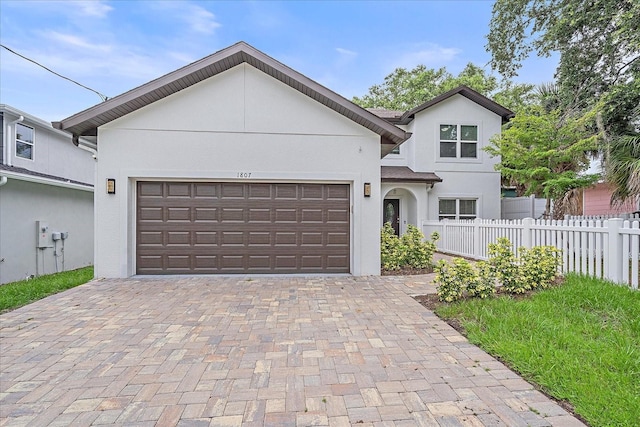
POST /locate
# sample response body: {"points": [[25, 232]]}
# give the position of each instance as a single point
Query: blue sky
{"points": [[114, 46]]}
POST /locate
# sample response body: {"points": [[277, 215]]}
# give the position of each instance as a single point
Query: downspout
{"points": [[76, 141], [3, 180], [9, 141]]}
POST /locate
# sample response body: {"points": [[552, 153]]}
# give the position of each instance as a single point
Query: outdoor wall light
{"points": [[111, 186], [367, 189]]}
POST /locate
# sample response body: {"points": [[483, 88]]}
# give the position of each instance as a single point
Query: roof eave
{"points": [[86, 122]]}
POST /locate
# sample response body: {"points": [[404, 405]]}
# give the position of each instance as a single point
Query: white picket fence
{"points": [[606, 249]]}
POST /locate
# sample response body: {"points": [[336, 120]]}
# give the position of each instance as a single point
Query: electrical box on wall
{"points": [[43, 235]]}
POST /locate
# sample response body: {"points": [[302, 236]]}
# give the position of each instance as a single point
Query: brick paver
{"points": [[298, 351]]}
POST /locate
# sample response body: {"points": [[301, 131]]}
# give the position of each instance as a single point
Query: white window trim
{"points": [[458, 159], [457, 198], [32, 144]]}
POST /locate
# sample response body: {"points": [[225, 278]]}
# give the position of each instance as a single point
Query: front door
{"points": [[392, 214]]}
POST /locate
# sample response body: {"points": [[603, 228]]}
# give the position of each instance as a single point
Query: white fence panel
{"points": [[605, 249]]}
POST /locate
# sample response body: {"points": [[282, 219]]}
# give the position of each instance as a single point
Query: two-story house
{"points": [[238, 164], [46, 198], [442, 171]]}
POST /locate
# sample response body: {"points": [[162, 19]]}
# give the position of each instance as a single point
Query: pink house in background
{"points": [[596, 201]]}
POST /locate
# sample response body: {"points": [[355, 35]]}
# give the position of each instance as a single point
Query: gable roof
{"points": [[85, 123], [468, 93]]}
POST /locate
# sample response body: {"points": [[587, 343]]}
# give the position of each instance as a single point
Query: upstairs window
{"points": [[396, 150], [24, 141], [458, 141], [457, 209]]}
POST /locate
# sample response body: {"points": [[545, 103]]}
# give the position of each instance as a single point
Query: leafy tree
{"points": [[599, 46], [405, 89], [546, 153]]}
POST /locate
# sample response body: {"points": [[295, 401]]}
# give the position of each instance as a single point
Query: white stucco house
{"points": [[45, 182], [238, 164], [442, 171]]}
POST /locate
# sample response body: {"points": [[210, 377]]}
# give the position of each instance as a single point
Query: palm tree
{"points": [[622, 168]]}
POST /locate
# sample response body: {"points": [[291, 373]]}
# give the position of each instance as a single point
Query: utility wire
{"points": [[103, 97]]}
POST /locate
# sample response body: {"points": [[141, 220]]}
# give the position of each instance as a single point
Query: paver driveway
{"points": [[253, 351]]}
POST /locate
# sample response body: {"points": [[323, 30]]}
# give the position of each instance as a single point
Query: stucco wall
{"points": [[461, 178], [238, 122], [21, 205]]}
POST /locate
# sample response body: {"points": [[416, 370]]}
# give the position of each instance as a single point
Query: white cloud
{"points": [[200, 19], [73, 41], [94, 8], [196, 18], [346, 52], [429, 54]]}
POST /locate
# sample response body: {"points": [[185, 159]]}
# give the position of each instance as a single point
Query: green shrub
{"points": [[417, 252], [484, 284], [536, 268], [391, 253], [453, 278], [461, 275], [410, 250], [504, 266], [539, 266]]}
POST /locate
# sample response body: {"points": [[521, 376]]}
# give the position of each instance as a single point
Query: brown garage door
{"points": [[209, 228]]}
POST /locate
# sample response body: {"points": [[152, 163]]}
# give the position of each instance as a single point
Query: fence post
{"points": [[526, 232], [476, 237], [532, 206], [615, 250]]}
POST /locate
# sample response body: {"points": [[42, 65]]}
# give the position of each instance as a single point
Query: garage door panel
{"points": [[311, 215], [232, 191], [178, 238], [205, 238], [178, 214], [286, 215], [232, 215], [150, 214], [208, 228], [150, 189], [205, 190], [205, 214], [205, 262], [178, 189]]}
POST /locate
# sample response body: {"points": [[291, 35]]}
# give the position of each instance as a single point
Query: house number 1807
{"points": [[244, 174]]}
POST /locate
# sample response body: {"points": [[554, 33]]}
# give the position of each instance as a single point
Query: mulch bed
{"points": [[407, 271]]}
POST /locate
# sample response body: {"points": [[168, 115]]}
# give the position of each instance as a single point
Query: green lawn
{"points": [[579, 342], [17, 294]]}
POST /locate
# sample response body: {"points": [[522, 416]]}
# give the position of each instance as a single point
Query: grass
{"points": [[17, 294], [580, 342]]}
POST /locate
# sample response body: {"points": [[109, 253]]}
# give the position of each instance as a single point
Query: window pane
{"points": [[24, 150], [469, 133], [447, 207], [396, 150], [468, 150], [467, 207], [447, 149], [449, 132], [24, 133]]}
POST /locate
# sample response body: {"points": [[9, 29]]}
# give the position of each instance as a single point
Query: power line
{"points": [[103, 97]]}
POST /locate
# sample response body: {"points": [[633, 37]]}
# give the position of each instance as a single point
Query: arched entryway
{"points": [[400, 208]]}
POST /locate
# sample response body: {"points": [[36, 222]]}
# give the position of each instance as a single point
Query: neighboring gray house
{"points": [[46, 190], [442, 171]]}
